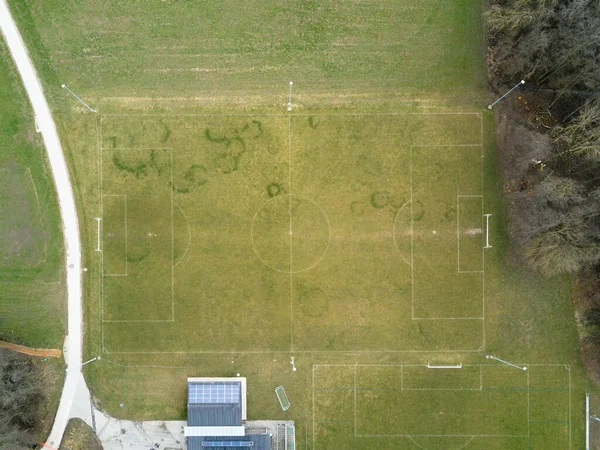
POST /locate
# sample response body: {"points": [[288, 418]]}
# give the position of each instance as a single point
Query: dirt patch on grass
{"points": [[22, 241], [79, 436]]}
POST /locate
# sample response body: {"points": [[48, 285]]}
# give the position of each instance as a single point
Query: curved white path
{"points": [[68, 214]]}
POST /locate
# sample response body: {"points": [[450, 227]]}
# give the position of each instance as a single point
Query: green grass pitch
{"points": [[347, 233], [292, 233]]}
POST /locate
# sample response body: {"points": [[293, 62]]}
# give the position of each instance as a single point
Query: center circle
{"points": [[290, 233]]}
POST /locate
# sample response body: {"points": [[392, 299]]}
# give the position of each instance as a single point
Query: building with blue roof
{"points": [[216, 415]]}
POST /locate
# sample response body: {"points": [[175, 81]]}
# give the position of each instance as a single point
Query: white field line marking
{"points": [[138, 148], [101, 272], [442, 389], [568, 367], [528, 411], [481, 140], [402, 377], [98, 219], [412, 239], [394, 232], [458, 231], [189, 235], [172, 245], [328, 233], [291, 227], [126, 250], [521, 436], [480, 378], [100, 186], [355, 366], [306, 352], [297, 114], [446, 145], [143, 366], [137, 321], [458, 448], [448, 318], [313, 406]]}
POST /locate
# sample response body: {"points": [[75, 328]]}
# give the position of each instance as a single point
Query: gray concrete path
{"points": [[68, 214]]}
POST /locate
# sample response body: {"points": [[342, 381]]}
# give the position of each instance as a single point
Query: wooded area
{"points": [[549, 142], [554, 45], [23, 400]]}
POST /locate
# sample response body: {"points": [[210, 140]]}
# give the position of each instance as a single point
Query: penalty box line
{"points": [[102, 275], [355, 389], [413, 317]]}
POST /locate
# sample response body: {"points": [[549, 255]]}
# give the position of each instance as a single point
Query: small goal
{"points": [[282, 397]]}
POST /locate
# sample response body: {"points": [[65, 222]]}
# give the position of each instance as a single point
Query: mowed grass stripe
{"points": [[226, 55]]}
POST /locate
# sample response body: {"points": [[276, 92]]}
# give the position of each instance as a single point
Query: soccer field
{"points": [[292, 232], [475, 407], [225, 234]]}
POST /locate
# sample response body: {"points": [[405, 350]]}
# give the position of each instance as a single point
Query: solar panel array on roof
{"points": [[214, 393], [228, 444]]}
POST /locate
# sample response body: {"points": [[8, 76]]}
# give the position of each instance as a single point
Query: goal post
{"points": [[444, 366]]}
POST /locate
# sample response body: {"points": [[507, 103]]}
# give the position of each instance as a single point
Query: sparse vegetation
{"points": [[26, 389], [79, 436], [555, 43], [32, 290], [551, 140]]}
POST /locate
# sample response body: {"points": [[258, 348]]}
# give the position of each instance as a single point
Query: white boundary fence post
{"points": [[431, 366], [587, 421], [516, 86], [487, 231]]}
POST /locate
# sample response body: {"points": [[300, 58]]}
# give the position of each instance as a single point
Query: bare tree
{"points": [[553, 42], [21, 394]]}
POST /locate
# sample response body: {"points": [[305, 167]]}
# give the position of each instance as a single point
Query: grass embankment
{"points": [[32, 286]]}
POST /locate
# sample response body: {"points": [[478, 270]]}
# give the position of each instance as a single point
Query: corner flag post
{"points": [[505, 362], [289, 105], [64, 86], [487, 231], [516, 86]]}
